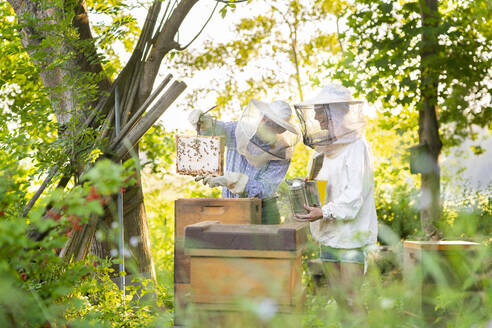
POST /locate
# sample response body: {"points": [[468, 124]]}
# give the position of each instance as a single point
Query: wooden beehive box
{"points": [[426, 264], [199, 155], [189, 211], [234, 263], [193, 210]]}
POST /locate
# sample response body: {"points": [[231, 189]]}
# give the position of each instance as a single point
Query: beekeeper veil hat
{"points": [[265, 132], [331, 119]]}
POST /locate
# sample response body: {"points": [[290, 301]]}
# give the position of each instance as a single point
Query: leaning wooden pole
{"points": [[146, 122], [79, 241], [138, 114]]}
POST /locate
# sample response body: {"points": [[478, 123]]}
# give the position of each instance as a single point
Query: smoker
{"points": [[302, 193]]}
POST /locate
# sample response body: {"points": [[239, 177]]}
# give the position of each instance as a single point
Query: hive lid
{"points": [[441, 244], [213, 235]]}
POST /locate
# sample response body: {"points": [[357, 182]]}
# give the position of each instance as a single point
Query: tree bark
{"points": [[430, 200], [136, 83], [135, 222], [40, 23], [138, 259]]}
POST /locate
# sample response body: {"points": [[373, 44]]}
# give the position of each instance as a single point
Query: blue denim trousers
{"points": [[347, 255]]}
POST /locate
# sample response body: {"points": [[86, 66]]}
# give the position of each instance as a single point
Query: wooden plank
{"points": [[296, 290], [269, 237], [144, 124], [233, 308], [228, 280], [242, 253], [227, 211], [181, 266], [441, 245], [231, 315]]}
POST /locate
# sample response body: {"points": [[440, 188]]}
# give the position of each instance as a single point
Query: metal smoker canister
{"points": [[297, 196], [312, 194]]}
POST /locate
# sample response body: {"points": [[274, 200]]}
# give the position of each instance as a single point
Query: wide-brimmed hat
{"points": [[331, 94], [278, 111]]}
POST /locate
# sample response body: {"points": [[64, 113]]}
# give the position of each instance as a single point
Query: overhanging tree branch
{"points": [[203, 27]]}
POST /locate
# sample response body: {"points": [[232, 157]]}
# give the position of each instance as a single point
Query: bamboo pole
{"points": [[140, 112], [78, 245], [144, 124], [130, 92]]}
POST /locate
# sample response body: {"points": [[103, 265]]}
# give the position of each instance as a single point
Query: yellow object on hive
{"points": [[321, 184]]}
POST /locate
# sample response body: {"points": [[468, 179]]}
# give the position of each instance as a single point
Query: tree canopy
{"points": [[381, 60]]}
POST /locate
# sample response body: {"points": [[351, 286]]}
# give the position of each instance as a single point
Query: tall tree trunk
{"points": [[71, 106], [428, 123], [41, 22], [135, 221], [137, 238]]}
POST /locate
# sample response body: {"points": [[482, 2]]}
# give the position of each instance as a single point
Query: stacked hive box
{"points": [[194, 210], [430, 263], [231, 264]]}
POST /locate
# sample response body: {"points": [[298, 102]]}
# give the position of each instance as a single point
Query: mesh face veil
{"points": [[331, 120], [264, 132]]}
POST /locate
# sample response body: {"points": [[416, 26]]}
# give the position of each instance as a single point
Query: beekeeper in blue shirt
{"points": [[346, 224], [259, 151]]}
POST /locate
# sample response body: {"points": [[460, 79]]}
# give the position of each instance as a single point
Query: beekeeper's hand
{"points": [[200, 177], [197, 116], [194, 117], [314, 214], [234, 181]]}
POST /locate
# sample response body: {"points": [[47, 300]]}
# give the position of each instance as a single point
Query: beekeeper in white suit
{"points": [[259, 150], [333, 124]]}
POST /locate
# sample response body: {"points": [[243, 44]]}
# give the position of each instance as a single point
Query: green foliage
{"points": [[396, 190], [115, 27], [98, 303], [40, 288], [24, 106], [159, 148], [469, 216], [382, 60]]}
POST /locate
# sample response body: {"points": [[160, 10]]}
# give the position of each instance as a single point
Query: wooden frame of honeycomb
{"points": [[199, 155]]}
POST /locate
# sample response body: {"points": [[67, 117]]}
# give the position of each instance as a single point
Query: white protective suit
{"points": [[347, 168], [349, 199]]}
